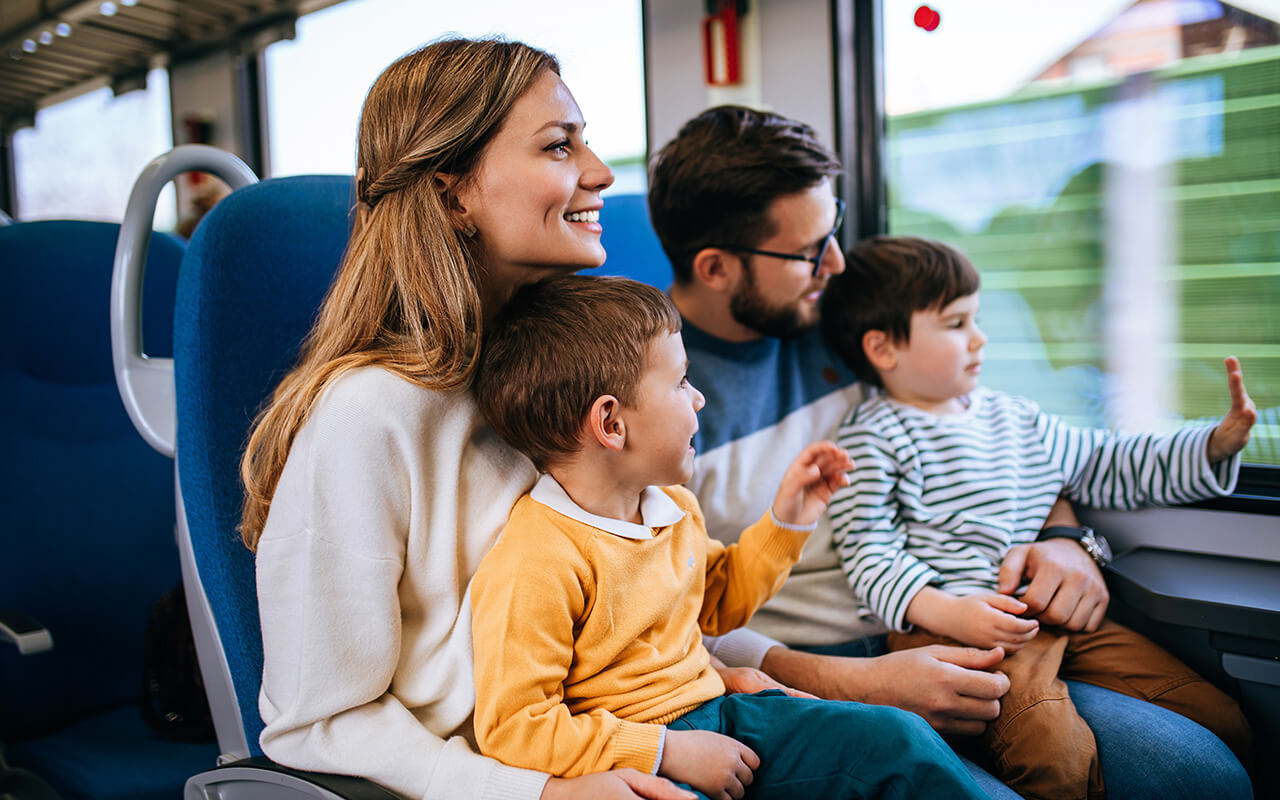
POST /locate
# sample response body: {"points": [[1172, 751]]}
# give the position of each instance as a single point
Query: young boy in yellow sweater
{"points": [[586, 613]]}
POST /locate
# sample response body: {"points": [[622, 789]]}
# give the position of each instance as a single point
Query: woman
{"points": [[374, 488]]}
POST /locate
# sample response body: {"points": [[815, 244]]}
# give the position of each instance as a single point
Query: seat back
{"points": [[252, 280], [631, 247], [86, 507]]}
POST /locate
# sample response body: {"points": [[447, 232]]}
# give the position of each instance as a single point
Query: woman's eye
{"points": [[562, 146], [684, 380]]}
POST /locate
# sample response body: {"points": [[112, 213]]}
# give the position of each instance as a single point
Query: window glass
{"points": [[63, 174], [1113, 170], [317, 82]]}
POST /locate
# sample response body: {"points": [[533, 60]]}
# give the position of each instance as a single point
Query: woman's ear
{"points": [[717, 269], [446, 186], [605, 425], [880, 350]]}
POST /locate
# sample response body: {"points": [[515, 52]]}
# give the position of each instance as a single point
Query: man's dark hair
{"points": [[714, 182], [886, 279], [559, 344]]}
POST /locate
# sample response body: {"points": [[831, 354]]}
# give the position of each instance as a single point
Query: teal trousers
{"points": [[834, 750]]}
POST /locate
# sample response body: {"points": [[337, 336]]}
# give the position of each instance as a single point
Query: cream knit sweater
{"points": [[390, 497]]}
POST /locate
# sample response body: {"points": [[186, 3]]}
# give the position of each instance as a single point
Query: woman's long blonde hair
{"points": [[405, 296]]}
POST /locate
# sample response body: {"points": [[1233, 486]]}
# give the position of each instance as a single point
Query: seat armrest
{"points": [[1229, 595], [260, 778], [30, 636]]}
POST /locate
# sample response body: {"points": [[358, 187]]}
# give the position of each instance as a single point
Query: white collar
{"points": [[657, 509]]}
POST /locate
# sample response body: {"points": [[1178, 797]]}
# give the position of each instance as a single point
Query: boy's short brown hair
{"points": [[559, 344], [886, 279]]}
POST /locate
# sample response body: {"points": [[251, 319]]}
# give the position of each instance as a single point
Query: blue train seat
{"points": [[87, 515], [249, 286], [631, 247]]}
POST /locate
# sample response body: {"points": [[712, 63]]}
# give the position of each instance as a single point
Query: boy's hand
{"points": [[809, 483], [714, 764], [1232, 434], [980, 620]]}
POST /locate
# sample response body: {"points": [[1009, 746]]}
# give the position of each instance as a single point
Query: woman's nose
{"points": [[596, 175]]}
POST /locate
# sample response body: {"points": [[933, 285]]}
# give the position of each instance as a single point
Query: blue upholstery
{"points": [[252, 280], [86, 515], [631, 247]]}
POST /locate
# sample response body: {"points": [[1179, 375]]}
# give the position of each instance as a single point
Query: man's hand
{"points": [[716, 765], [809, 483], [618, 784], [980, 620], [1066, 586], [945, 685], [1232, 434]]}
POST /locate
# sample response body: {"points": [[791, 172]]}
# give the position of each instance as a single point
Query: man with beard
{"points": [[744, 206]]}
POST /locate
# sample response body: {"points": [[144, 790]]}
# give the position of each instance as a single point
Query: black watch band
{"points": [[1076, 532]]}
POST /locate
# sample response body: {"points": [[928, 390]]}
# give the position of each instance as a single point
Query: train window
{"points": [[61, 173], [1113, 170], [317, 82]]}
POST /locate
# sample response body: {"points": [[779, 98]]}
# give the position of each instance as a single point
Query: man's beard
{"points": [[748, 308]]}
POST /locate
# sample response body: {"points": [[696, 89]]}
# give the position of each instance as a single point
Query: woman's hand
{"points": [[809, 483], [618, 784], [716, 765], [745, 680]]}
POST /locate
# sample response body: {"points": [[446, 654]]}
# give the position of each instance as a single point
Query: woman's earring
{"points": [[469, 231]]}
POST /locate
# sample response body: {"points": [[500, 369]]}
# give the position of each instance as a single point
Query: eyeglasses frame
{"points": [[816, 261]]}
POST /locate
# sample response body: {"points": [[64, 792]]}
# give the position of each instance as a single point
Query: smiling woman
{"points": [[383, 485], [536, 194]]}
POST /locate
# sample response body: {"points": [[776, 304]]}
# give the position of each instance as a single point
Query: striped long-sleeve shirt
{"points": [[938, 501]]}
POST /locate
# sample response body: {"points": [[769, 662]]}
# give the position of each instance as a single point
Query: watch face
{"points": [[1097, 546]]}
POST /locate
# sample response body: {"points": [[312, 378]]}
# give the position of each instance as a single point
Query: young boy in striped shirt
{"points": [[949, 476]]}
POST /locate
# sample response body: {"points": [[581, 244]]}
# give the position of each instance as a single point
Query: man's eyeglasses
{"points": [[815, 260]]}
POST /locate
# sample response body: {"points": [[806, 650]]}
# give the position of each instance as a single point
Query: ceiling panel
{"points": [[52, 46]]}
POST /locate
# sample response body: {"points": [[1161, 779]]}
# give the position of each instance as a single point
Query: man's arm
{"points": [[945, 685]]}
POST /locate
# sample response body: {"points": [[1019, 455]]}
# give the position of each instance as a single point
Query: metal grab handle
{"points": [[145, 383]]}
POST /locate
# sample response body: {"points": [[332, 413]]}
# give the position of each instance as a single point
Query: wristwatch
{"points": [[1093, 543]]}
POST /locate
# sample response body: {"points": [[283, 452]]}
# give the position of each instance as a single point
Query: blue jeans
{"points": [[834, 750], [1147, 752]]}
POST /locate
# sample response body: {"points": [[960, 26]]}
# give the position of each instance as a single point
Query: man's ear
{"points": [[605, 425], [880, 350], [718, 269]]}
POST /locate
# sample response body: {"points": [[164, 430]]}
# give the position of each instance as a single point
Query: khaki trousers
{"points": [[1041, 747]]}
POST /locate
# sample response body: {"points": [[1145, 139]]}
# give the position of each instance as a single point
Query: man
{"points": [[743, 204]]}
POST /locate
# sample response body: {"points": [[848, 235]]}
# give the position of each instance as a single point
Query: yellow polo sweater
{"points": [[586, 642]]}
